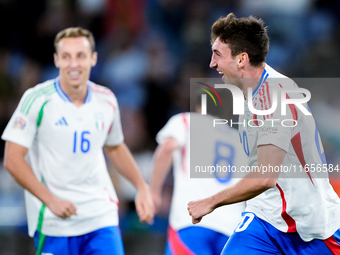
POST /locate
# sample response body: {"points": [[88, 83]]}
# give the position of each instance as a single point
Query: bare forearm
{"points": [[254, 183], [27, 179], [125, 164], [23, 174], [15, 163], [245, 189], [162, 165], [249, 187]]}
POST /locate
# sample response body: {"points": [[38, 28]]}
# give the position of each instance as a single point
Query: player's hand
{"points": [[198, 209], [157, 200], [62, 208], [144, 204]]}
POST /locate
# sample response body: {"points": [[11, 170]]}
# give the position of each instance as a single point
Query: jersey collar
{"points": [[264, 77], [65, 97]]}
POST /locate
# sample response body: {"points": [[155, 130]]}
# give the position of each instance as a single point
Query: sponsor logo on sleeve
{"points": [[20, 124]]}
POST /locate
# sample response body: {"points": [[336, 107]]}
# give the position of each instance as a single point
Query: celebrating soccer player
{"points": [[284, 214]]}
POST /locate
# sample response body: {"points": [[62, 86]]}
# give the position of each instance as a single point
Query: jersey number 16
{"points": [[84, 142]]}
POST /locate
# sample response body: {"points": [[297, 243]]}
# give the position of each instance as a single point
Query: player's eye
{"points": [[217, 53], [65, 56], [81, 55]]}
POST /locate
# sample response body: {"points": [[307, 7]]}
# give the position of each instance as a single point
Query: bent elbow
{"points": [[269, 183], [14, 156], [8, 164]]}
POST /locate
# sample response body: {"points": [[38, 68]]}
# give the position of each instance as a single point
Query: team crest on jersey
{"points": [[268, 130], [20, 124], [99, 119]]}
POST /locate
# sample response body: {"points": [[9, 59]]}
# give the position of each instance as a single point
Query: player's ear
{"points": [[242, 59], [94, 57], [56, 60]]}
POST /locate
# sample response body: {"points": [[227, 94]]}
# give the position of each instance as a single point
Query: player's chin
{"points": [[76, 81]]}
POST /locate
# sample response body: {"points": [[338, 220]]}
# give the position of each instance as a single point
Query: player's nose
{"points": [[213, 63], [74, 62]]}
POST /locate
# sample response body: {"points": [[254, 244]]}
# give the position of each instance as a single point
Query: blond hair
{"points": [[74, 32]]}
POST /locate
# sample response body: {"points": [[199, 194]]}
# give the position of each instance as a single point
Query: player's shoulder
{"points": [[101, 91], [102, 94], [272, 83], [272, 73], [280, 83], [44, 88], [181, 116], [37, 95], [175, 117], [277, 80], [178, 120]]}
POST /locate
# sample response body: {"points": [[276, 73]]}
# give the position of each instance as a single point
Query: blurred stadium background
{"points": [[148, 51]]}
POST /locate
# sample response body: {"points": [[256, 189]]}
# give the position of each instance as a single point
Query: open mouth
{"points": [[74, 74], [220, 72]]}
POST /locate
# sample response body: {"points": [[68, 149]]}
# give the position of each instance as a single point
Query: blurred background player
{"points": [[54, 149], [210, 236], [287, 212]]}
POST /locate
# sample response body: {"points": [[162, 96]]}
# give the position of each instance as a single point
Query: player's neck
{"points": [[76, 93], [252, 78]]}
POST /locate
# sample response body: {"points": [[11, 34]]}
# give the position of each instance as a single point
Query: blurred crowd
{"points": [[147, 52]]}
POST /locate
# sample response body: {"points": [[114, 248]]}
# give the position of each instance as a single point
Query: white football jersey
{"points": [[186, 189], [308, 204], [65, 151]]}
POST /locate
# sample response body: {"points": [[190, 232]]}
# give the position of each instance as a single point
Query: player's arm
{"points": [[16, 164], [249, 187], [162, 165], [121, 158]]}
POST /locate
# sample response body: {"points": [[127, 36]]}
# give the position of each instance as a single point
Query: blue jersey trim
{"points": [[64, 96], [89, 94], [60, 92], [264, 77]]}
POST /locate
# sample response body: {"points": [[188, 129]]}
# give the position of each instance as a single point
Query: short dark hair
{"points": [[74, 32], [243, 35]]}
